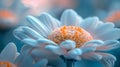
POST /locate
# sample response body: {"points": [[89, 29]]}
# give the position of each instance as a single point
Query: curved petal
{"points": [[110, 34], [27, 32], [38, 26], [49, 21], [40, 53], [108, 60], [19, 34], [32, 33], [45, 41], [38, 43], [90, 23], [9, 53], [75, 54], [92, 56], [103, 28], [56, 49], [70, 18], [23, 58], [93, 43], [68, 44], [30, 42], [26, 48], [88, 49], [109, 45]]}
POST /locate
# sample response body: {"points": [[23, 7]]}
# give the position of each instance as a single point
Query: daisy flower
{"points": [[26, 60], [8, 56], [72, 37]]}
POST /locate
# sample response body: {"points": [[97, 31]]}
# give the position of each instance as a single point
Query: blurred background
{"points": [[13, 13]]}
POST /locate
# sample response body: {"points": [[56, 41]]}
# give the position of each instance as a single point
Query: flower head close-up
{"points": [[72, 38]]}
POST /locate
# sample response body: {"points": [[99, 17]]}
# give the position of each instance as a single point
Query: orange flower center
{"points": [[6, 64], [77, 34]]}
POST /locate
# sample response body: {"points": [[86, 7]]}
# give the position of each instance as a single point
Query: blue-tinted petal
{"points": [[110, 34], [55, 49], [108, 60], [68, 44], [109, 45], [93, 43], [20, 34], [49, 21], [75, 53], [89, 24], [38, 26], [92, 56], [9, 53], [70, 17]]}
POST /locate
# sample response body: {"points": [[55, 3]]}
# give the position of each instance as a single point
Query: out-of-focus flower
{"points": [[8, 56], [37, 6], [73, 37], [7, 18], [26, 60], [114, 17], [11, 13], [38, 57]]}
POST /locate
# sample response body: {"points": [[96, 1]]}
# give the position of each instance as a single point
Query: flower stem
{"points": [[70, 63]]}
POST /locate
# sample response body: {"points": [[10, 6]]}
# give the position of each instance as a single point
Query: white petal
{"points": [[45, 41], [39, 26], [38, 43], [17, 54], [93, 43], [91, 46], [90, 23], [27, 32], [50, 22], [110, 34], [88, 49], [108, 60], [40, 53], [9, 53], [30, 42], [23, 58], [68, 44], [70, 18], [32, 33], [55, 49], [101, 28], [109, 45], [19, 34], [26, 48], [75, 53], [92, 56]]}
